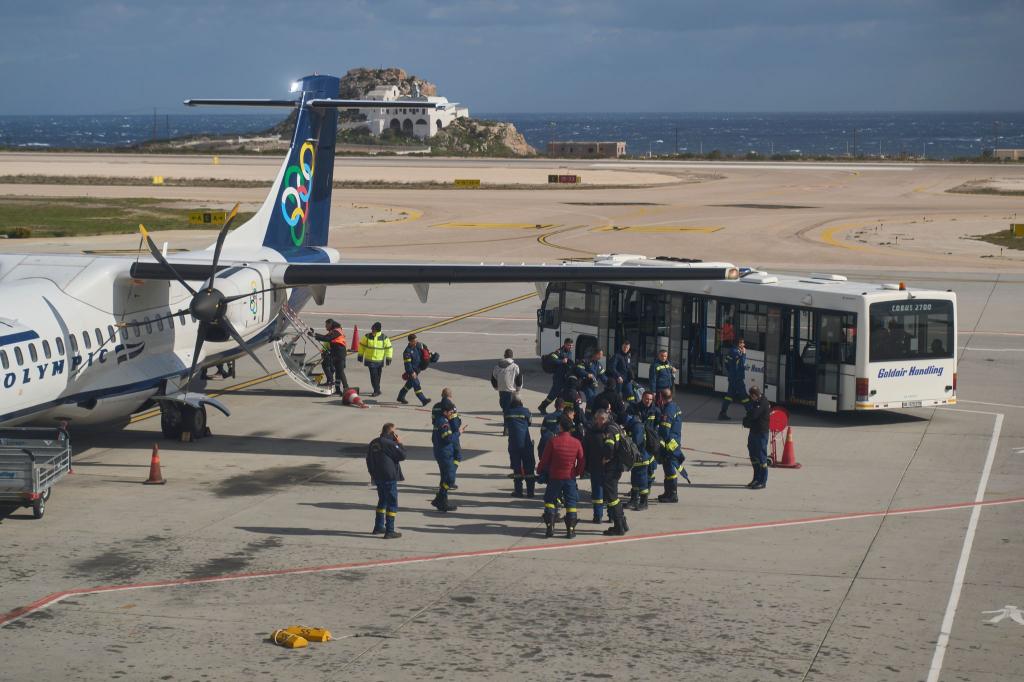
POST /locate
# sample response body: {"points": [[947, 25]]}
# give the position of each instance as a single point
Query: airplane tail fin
{"points": [[295, 216]]}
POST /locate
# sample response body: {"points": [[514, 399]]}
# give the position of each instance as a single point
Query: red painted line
{"points": [[56, 597]]}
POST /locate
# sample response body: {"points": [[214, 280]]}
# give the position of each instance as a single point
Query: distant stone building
{"points": [[583, 150], [409, 115], [1008, 154]]}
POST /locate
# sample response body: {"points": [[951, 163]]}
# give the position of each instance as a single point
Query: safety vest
{"points": [[375, 347], [339, 339]]}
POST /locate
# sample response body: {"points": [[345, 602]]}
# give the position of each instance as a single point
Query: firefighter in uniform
{"points": [[663, 374], [648, 415], [412, 358], [670, 433], [735, 361], [375, 352], [561, 359], [601, 445], [520, 448], [620, 372], [458, 428], [591, 376], [444, 454]]}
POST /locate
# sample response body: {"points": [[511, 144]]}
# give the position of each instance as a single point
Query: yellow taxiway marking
{"points": [[658, 228], [543, 239], [274, 375], [498, 226], [411, 213], [828, 236]]}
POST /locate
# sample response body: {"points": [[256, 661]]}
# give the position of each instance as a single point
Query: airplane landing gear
{"points": [[176, 419]]}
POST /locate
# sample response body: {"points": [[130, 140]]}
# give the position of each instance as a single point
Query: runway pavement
{"points": [[841, 570], [893, 554]]}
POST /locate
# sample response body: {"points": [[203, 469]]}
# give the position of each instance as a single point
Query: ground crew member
{"points": [[458, 428], [507, 379], [649, 414], [412, 358], [549, 426], [663, 374], [444, 454], [562, 463], [670, 433], [757, 439], [375, 352], [383, 460], [335, 350], [600, 446], [590, 373], [562, 359], [620, 372], [520, 448], [610, 400], [639, 488], [735, 360]]}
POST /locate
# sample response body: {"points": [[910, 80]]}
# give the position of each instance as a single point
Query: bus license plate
{"points": [[912, 403]]}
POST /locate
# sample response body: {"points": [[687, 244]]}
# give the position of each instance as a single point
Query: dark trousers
{"points": [[566, 491], [757, 449], [638, 478], [610, 492], [597, 493], [504, 399], [446, 465], [737, 393], [387, 505], [413, 385], [524, 465], [376, 369]]}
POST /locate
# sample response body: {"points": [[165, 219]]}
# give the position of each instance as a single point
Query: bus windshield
{"points": [[911, 330]]}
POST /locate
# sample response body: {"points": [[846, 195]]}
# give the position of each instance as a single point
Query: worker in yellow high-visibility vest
{"points": [[375, 352]]}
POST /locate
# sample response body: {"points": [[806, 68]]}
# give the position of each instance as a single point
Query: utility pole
{"points": [[854, 142], [153, 138], [677, 139]]}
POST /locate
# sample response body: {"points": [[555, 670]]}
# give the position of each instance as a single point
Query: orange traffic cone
{"points": [[354, 343], [351, 397], [156, 477], [789, 452]]}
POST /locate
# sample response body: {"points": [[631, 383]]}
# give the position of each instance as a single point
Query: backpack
{"points": [[426, 357], [627, 451], [549, 363], [652, 440]]}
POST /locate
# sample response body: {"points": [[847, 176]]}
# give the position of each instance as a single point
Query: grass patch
{"points": [[982, 187], [81, 216], [1003, 238]]}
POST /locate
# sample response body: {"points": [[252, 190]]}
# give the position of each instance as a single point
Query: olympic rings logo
{"points": [[295, 198], [254, 305]]}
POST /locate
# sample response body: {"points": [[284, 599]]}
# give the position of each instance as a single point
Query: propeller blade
{"points": [[220, 241], [163, 261], [200, 339], [226, 325]]}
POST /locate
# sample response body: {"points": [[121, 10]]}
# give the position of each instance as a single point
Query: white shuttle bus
{"points": [[817, 340]]}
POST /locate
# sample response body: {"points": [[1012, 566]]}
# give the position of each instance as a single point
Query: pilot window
{"points": [[32, 352], [46, 349]]}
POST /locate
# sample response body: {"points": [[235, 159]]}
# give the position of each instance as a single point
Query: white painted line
{"points": [[978, 402], [961, 568], [994, 350], [798, 166]]}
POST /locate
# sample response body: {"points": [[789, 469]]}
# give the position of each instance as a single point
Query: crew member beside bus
{"points": [[734, 360], [559, 365], [620, 372], [663, 374]]}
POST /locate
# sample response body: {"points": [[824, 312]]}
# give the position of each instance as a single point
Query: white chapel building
{"points": [[408, 114]]}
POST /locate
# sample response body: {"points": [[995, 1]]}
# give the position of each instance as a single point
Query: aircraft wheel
{"points": [[171, 420], [194, 421]]}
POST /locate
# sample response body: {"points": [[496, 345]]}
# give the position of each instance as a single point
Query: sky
{"points": [[88, 57]]}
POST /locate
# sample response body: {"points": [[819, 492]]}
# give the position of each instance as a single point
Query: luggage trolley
{"points": [[32, 460]]}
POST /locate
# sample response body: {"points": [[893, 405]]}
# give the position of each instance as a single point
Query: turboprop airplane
{"points": [[93, 339]]}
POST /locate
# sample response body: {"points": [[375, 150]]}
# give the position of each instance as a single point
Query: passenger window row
{"points": [[97, 339]]}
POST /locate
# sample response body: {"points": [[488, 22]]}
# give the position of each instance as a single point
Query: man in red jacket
{"points": [[563, 463]]}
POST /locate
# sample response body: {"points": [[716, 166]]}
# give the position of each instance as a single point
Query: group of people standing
{"points": [[604, 425]]}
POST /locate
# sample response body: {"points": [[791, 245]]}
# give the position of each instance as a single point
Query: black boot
{"points": [[671, 493], [634, 500], [616, 528], [643, 502], [622, 520], [531, 484], [570, 528], [401, 397], [544, 406], [549, 525], [518, 482]]}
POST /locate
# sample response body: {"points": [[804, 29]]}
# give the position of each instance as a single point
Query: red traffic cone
{"points": [[789, 452], [156, 477], [351, 397], [354, 343]]}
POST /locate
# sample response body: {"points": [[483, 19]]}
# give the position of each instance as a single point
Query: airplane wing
{"points": [[313, 274]]}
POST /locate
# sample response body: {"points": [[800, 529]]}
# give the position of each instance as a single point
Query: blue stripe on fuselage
{"points": [[17, 337]]}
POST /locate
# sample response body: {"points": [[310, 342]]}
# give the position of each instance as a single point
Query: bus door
{"points": [[549, 321], [701, 348], [801, 356]]}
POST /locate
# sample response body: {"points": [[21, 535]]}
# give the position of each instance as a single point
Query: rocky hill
{"points": [[470, 137], [357, 82]]}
